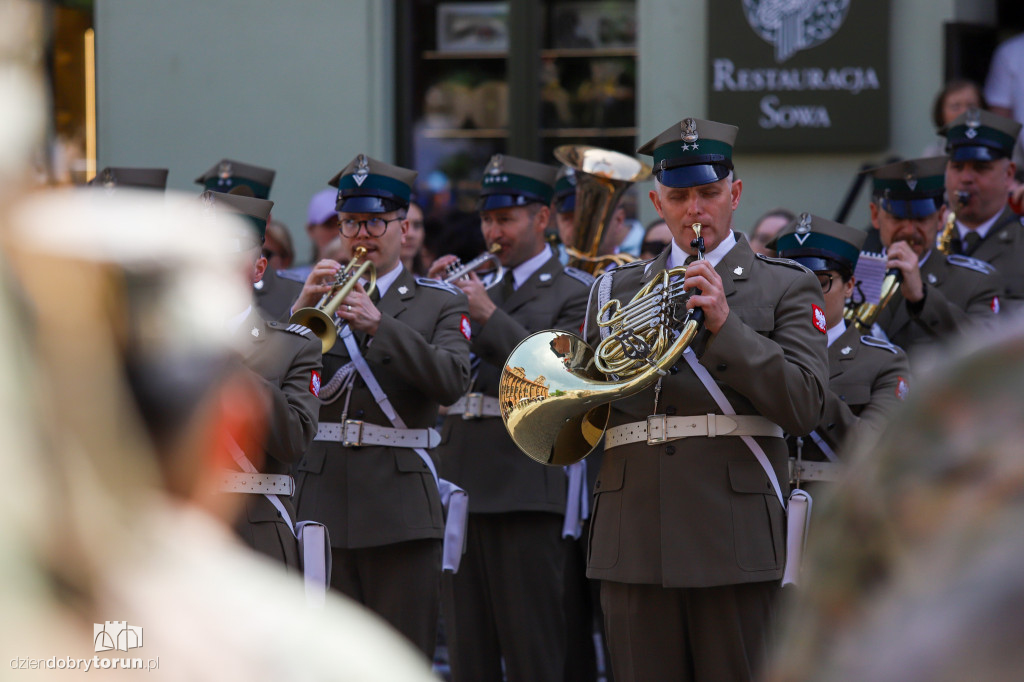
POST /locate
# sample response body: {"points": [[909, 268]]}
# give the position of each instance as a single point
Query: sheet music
{"points": [[869, 273]]}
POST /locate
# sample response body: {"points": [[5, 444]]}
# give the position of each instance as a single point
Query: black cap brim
{"points": [[819, 264], [910, 208], [492, 201], [976, 153], [692, 176], [365, 204]]}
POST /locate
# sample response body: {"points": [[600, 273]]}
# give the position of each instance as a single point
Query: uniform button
{"points": [[670, 410], [721, 367], [674, 369], [670, 450], [385, 360], [832, 426], [359, 414]]}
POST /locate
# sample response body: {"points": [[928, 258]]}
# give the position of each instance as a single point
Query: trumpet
{"points": [[320, 319], [555, 390], [459, 270]]}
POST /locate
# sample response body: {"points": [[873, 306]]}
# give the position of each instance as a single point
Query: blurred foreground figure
{"points": [[117, 519], [915, 573]]}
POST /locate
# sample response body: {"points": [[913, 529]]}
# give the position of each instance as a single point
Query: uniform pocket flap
{"points": [[610, 476], [760, 318], [749, 477], [852, 394], [407, 460]]}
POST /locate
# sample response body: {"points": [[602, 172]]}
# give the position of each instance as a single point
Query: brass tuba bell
{"points": [[320, 319], [602, 176]]}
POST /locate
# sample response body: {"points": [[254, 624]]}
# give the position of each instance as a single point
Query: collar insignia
{"points": [[738, 270], [846, 351], [545, 276], [258, 286], [688, 131], [403, 290], [255, 332], [362, 170], [932, 279]]}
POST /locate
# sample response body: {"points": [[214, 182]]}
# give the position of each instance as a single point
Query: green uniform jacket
{"points": [[700, 512], [288, 365], [375, 495], [1003, 248], [868, 379], [275, 295], [478, 454], [961, 295]]}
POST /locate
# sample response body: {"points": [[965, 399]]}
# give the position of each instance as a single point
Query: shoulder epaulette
{"points": [[782, 261], [438, 284], [293, 276], [876, 342], [297, 329], [970, 263], [580, 275]]}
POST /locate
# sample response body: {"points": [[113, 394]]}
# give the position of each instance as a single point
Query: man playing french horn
{"points": [[688, 534], [941, 295], [401, 351]]}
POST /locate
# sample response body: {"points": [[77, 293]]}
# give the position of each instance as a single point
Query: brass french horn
{"points": [[320, 319], [555, 389], [602, 176]]}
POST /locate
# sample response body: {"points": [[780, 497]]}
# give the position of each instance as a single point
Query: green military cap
{"points": [[238, 178], [692, 152], [144, 178], [979, 135], [910, 189], [367, 185], [565, 190], [821, 244], [511, 181], [256, 210]]}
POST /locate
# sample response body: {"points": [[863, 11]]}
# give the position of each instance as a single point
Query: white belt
{"points": [[660, 428], [256, 484], [476, 406], [355, 432], [806, 470]]}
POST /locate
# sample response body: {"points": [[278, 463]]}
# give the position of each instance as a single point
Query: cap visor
{"points": [[813, 263], [493, 201], [976, 153], [691, 176], [566, 203], [362, 205], [911, 208]]}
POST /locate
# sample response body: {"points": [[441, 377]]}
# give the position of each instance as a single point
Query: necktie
{"points": [[970, 243], [508, 286]]}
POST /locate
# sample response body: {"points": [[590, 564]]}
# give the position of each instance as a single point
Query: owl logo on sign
{"points": [[794, 25]]}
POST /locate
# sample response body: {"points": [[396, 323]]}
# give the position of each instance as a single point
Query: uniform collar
{"points": [[835, 332], [678, 256], [384, 282], [233, 323], [522, 272], [982, 230]]}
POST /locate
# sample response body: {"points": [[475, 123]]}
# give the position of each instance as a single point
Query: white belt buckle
{"points": [[468, 411], [657, 429], [359, 433]]}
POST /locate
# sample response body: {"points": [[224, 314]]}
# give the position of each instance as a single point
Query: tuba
{"points": [[320, 319], [555, 390], [602, 176], [458, 269]]}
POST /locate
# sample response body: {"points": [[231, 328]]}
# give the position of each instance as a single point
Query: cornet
{"points": [[458, 270], [320, 319]]}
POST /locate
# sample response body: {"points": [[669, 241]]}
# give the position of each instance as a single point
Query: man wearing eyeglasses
{"points": [[365, 475], [941, 295], [868, 377]]}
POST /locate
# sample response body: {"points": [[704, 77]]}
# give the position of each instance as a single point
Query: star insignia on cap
{"points": [[932, 279], [738, 270], [686, 147], [403, 290], [545, 276], [362, 170], [255, 332], [846, 351]]}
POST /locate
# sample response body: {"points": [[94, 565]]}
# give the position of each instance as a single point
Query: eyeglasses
{"points": [[268, 254], [825, 280], [652, 247], [374, 226]]}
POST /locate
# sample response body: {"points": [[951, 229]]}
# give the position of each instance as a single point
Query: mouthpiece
{"points": [[963, 197]]}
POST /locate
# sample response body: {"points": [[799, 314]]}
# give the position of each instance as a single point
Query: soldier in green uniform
{"points": [[139, 178], [286, 360], [940, 295], [688, 528], [367, 475], [274, 294], [868, 377], [980, 147], [506, 601]]}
